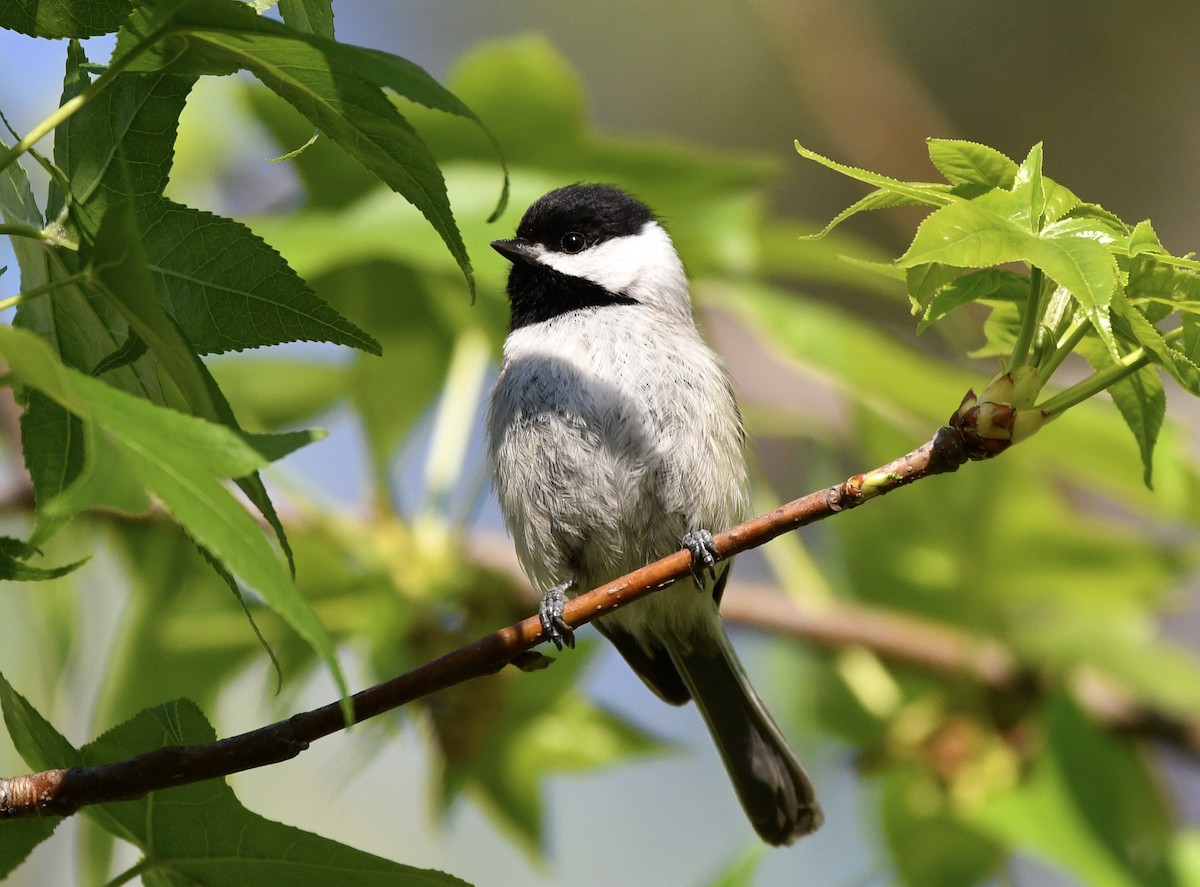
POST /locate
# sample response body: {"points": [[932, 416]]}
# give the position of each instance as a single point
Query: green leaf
{"points": [[201, 834], [1049, 201], [182, 460], [63, 18], [18, 206], [1097, 214], [225, 287], [988, 283], [203, 445], [120, 144], [1190, 346], [70, 468], [40, 745], [880, 198], [1085, 266], [923, 281], [1129, 321], [918, 192], [271, 446], [993, 229], [1152, 278], [1040, 819], [309, 16], [1127, 809], [131, 350], [414, 83], [228, 289], [1141, 400], [221, 36], [1144, 239], [20, 837], [14, 553], [988, 230], [84, 329], [1028, 184], [1185, 262], [969, 163], [52, 441], [120, 274]]}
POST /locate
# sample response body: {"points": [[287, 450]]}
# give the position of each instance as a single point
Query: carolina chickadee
{"points": [[615, 438]]}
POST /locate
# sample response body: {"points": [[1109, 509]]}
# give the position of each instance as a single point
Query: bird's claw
{"points": [[704, 555], [550, 613]]}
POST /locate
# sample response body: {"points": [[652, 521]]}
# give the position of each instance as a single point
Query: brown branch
{"points": [[62, 792], [900, 638]]}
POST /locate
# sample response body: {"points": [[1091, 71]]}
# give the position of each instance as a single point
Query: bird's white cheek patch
{"points": [[621, 263]]}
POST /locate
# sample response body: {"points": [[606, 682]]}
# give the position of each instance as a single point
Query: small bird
{"points": [[615, 439]]}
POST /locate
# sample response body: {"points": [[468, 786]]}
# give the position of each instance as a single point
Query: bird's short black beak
{"points": [[515, 250]]}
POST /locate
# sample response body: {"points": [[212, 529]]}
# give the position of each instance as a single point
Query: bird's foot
{"points": [[550, 612], [704, 555]]}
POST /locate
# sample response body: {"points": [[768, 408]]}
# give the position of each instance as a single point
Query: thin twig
{"points": [[900, 638], [947, 651]]}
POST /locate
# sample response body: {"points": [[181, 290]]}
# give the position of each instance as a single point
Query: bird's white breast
{"points": [[613, 431]]}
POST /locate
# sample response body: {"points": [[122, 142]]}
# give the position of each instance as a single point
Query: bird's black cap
{"points": [[567, 220], [598, 212]]}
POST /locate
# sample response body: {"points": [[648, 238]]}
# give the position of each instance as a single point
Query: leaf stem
{"points": [[1066, 345], [13, 301], [1029, 320], [17, 229], [1106, 378], [130, 873]]}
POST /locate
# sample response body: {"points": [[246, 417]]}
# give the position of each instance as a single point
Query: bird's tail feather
{"points": [[769, 780]]}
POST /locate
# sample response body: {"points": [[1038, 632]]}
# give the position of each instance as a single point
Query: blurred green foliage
{"points": [[1057, 550]]}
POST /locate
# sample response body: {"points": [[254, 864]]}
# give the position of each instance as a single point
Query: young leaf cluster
{"points": [[1092, 284]]}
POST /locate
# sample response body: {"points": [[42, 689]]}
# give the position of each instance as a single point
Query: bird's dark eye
{"points": [[573, 242]]}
